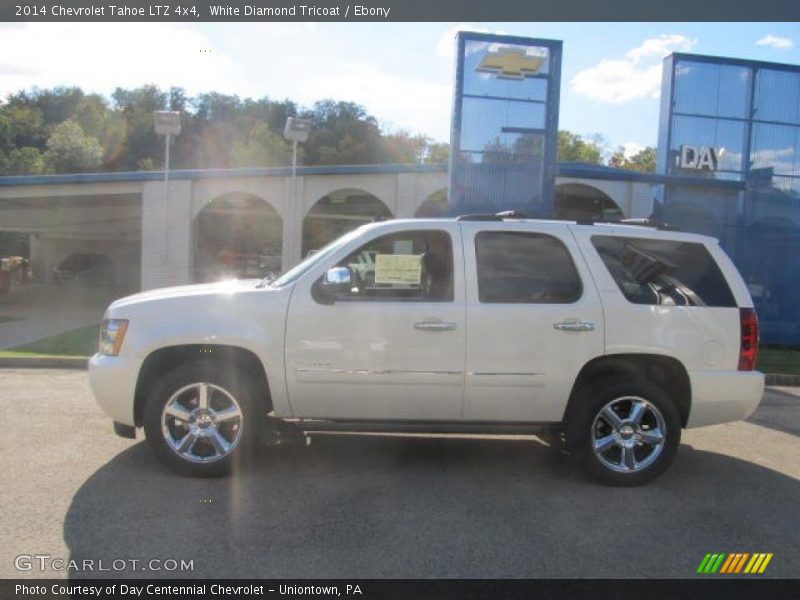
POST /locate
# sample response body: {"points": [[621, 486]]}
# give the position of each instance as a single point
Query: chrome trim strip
{"points": [[373, 371], [488, 373]]}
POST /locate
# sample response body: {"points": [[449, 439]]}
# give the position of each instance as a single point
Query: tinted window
{"points": [[525, 267], [664, 272], [410, 265]]}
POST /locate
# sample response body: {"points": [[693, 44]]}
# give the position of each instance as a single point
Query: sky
{"points": [[402, 73]]}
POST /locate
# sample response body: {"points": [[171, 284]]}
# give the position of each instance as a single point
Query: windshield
{"points": [[295, 272]]}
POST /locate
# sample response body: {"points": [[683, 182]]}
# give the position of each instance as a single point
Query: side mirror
{"points": [[336, 283]]}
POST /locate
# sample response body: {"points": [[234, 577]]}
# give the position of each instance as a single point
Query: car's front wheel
{"points": [[625, 432], [202, 419]]}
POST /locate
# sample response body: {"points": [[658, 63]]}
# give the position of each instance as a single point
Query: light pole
{"points": [[168, 123], [296, 130]]}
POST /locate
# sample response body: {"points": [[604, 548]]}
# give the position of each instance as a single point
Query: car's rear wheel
{"points": [[202, 419], [625, 432]]}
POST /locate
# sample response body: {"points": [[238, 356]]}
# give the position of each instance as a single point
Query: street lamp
{"points": [[168, 123], [296, 130]]}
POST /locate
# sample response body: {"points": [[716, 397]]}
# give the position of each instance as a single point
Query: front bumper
{"points": [[113, 383], [724, 396]]}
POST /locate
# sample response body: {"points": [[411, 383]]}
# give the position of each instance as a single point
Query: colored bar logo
{"points": [[736, 562]]}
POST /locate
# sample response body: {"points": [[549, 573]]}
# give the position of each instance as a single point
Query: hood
{"points": [[220, 288]]}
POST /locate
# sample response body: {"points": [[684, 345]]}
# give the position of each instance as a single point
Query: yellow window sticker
{"points": [[398, 269]]}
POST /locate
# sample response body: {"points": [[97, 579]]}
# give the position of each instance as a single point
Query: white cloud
{"points": [[99, 58], [637, 75], [400, 102], [632, 148], [774, 41]]}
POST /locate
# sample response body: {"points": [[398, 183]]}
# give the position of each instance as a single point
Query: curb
{"points": [[63, 362], [782, 379], [43, 362]]}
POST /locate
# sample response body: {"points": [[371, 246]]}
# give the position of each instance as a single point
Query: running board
{"points": [[441, 427]]}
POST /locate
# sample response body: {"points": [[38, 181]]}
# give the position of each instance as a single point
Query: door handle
{"points": [[435, 325], [573, 326]]}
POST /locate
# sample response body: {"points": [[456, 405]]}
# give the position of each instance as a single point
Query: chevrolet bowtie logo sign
{"points": [[510, 63]]}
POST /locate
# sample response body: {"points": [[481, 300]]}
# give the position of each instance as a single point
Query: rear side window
{"points": [[522, 267], [664, 272]]}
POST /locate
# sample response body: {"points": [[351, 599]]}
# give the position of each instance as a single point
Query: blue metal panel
{"points": [[777, 96], [505, 123], [752, 110]]}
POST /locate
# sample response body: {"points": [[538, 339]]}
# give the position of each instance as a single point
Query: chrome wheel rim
{"points": [[628, 434], [202, 423]]}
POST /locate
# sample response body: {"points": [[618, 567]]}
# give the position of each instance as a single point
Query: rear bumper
{"points": [[724, 396]]}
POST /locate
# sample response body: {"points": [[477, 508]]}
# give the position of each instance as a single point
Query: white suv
{"points": [[617, 335]]}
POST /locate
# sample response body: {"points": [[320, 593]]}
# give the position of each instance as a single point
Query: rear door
{"points": [[534, 319]]}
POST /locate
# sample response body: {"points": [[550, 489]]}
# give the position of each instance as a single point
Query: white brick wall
{"points": [[166, 234]]}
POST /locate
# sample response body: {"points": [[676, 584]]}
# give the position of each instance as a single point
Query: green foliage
{"points": [[574, 148], [60, 130], [22, 161], [262, 148], [70, 150], [644, 160], [779, 360], [21, 126], [438, 153]]}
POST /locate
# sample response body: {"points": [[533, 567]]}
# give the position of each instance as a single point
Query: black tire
{"points": [[587, 426], [226, 382]]}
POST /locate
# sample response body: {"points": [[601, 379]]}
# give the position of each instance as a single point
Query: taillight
{"points": [[748, 350]]}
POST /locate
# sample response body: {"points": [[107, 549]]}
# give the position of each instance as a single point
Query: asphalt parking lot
{"points": [[357, 507]]}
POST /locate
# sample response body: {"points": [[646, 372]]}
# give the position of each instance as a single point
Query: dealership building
{"points": [[728, 166]]}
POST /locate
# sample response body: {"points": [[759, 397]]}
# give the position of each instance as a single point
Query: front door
{"points": [[392, 345]]}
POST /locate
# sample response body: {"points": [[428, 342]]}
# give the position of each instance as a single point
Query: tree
{"points": [[574, 148], [438, 153], [70, 150], [21, 126], [262, 148], [644, 160], [22, 161], [139, 139], [405, 147], [342, 133], [218, 130]]}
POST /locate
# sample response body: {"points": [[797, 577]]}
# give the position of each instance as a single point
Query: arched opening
{"points": [[88, 269], [337, 213], [435, 206], [576, 201], [237, 235]]}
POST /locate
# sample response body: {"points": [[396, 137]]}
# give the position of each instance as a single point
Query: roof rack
{"points": [[515, 214], [498, 216]]}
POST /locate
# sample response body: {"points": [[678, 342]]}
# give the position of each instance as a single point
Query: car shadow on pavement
{"points": [[380, 507]]}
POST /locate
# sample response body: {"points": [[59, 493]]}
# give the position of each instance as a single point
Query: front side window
{"points": [[664, 272], [409, 265], [522, 267]]}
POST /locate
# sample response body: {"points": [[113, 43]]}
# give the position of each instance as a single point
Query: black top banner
{"points": [[398, 10]]}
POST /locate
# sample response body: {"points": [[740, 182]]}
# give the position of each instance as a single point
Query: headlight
{"points": [[112, 332]]}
